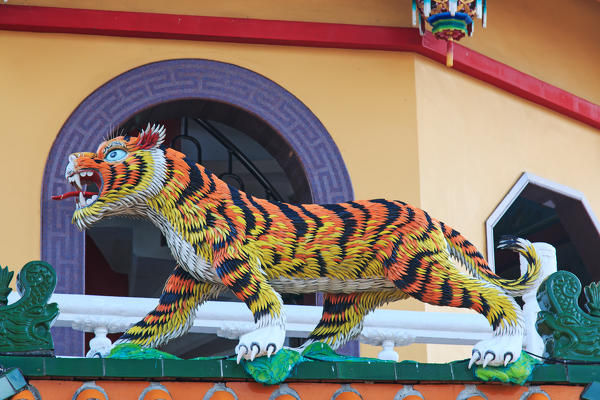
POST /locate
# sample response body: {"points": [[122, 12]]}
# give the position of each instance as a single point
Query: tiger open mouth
{"points": [[87, 184]]}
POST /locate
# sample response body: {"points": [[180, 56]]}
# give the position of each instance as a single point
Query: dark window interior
{"points": [[542, 215]]}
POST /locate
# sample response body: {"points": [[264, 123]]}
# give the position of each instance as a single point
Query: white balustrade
{"points": [[386, 328]]}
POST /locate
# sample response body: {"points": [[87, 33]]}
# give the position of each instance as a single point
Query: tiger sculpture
{"points": [[360, 254]]}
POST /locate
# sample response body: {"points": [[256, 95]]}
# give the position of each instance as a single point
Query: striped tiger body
{"points": [[362, 254]]}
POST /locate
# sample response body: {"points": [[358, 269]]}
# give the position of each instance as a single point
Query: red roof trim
{"points": [[311, 34]]}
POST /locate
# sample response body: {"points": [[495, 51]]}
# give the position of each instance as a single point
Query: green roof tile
{"points": [[218, 369], [366, 371], [116, 368]]}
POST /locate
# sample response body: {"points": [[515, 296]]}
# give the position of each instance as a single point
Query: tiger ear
{"points": [[151, 137]]}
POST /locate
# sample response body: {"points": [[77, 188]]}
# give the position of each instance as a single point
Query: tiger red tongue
{"points": [[72, 194]]}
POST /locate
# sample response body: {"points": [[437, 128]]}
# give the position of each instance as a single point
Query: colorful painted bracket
{"points": [[25, 324], [569, 332]]}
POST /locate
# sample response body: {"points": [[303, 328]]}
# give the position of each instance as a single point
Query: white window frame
{"points": [[526, 179]]}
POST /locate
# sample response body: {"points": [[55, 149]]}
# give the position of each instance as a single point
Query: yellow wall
{"points": [[555, 40], [43, 94], [472, 151], [48, 75]]}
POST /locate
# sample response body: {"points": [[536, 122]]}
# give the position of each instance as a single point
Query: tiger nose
{"points": [[70, 169]]}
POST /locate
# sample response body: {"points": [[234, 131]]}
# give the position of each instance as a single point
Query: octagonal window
{"points": [[544, 211]]}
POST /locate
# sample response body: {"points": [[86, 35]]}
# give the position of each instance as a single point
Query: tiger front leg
{"points": [[249, 284], [172, 317]]}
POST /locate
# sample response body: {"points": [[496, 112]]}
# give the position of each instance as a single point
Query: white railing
{"points": [[386, 328]]}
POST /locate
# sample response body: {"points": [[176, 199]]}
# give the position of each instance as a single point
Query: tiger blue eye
{"points": [[116, 155]]}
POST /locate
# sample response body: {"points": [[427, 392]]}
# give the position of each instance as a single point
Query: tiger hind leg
{"points": [[343, 315], [430, 276]]}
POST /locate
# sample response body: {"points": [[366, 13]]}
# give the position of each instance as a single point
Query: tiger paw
{"points": [[263, 341], [497, 351]]}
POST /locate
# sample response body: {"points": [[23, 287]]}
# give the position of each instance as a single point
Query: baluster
{"points": [[387, 339], [388, 352], [547, 254], [100, 342]]}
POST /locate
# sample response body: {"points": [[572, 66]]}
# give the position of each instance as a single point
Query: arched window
{"points": [[236, 98], [544, 211]]}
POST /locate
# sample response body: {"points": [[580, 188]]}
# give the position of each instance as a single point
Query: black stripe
{"points": [[248, 215], [446, 293], [170, 169], [193, 187], [263, 212], [410, 217], [428, 229], [337, 307], [127, 172], [366, 216], [263, 312], [393, 211], [348, 222], [280, 207], [497, 319], [276, 258], [312, 216], [466, 298], [411, 273], [394, 255], [111, 177], [485, 307], [295, 218], [195, 174], [322, 264], [228, 267], [212, 178], [425, 279], [210, 221]]}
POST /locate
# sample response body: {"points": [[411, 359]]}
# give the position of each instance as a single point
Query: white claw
{"points": [[242, 350], [254, 351], [489, 356], [270, 350], [474, 358], [508, 357]]}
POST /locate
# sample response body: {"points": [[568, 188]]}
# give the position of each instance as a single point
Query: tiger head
{"points": [[118, 178]]}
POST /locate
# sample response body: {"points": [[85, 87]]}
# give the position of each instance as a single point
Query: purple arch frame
{"points": [[146, 86]]}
